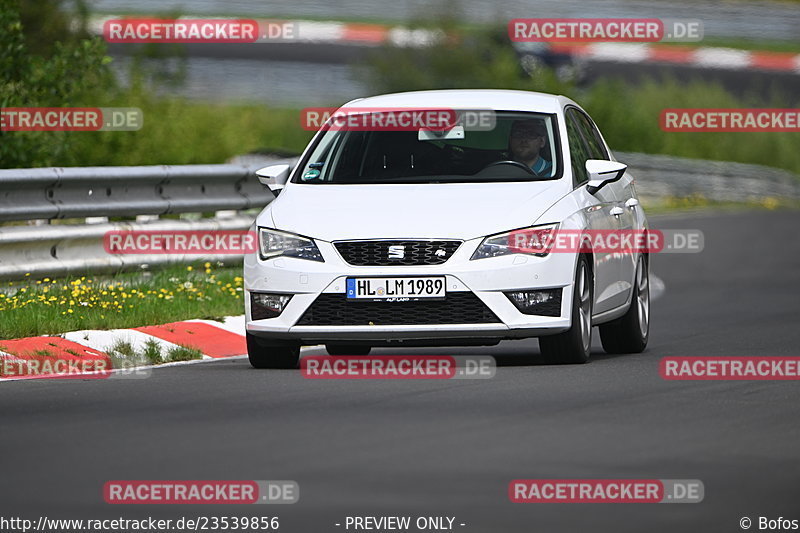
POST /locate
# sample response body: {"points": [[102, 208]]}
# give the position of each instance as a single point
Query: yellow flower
{"points": [[189, 269]]}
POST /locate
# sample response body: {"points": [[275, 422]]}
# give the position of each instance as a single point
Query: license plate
{"points": [[395, 289]]}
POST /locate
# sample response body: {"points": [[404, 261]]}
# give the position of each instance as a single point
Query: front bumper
{"points": [[487, 279]]}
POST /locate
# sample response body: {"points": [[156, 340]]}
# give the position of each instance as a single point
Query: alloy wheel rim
{"points": [[584, 293], [643, 297]]}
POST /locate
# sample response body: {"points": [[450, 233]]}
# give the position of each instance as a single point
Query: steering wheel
{"points": [[528, 169]]}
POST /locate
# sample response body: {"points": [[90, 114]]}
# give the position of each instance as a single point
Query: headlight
{"points": [[273, 243], [535, 240]]}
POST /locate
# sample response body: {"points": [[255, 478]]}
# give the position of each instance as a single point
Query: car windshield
{"points": [[519, 147]]}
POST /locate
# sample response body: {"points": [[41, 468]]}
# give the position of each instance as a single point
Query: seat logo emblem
{"points": [[397, 252], [439, 253]]}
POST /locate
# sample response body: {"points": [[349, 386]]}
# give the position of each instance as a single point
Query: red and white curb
{"points": [[332, 32], [215, 340], [700, 57]]}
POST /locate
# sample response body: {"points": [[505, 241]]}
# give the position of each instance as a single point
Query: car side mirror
{"points": [[602, 172], [274, 177]]}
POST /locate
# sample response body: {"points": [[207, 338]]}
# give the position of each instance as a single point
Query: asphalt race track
{"points": [[450, 448]]}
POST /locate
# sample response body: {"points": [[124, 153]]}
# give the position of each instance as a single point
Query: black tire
{"points": [[629, 333], [264, 355], [574, 345], [347, 349]]}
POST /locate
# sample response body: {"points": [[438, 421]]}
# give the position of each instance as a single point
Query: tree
{"points": [[50, 63]]}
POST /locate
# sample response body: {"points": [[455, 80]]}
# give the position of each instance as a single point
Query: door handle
{"points": [[616, 211], [632, 202]]}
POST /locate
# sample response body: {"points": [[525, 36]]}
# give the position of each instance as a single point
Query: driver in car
{"points": [[524, 143]]}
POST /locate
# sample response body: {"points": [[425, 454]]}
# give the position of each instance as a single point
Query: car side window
{"points": [[578, 151], [597, 149]]}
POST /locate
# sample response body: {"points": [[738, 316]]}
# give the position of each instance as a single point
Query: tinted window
{"points": [[590, 134], [343, 156], [578, 152]]}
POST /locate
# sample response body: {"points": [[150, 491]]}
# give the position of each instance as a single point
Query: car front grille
{"points": [[396, 252], [456, 308]]}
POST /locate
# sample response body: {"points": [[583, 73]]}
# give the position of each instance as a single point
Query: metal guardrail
{"points": [[659, 176], [57, 250], [97, 193], [45, 194], [57, 193]]}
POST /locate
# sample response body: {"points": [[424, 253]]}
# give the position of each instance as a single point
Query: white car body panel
{"points": [[460, 211]]}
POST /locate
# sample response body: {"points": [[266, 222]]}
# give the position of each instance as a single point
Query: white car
{"points": [[404, 238]]}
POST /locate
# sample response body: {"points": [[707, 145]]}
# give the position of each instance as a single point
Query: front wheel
{"points": [[263, 355], [573, 346], [630, 333]]}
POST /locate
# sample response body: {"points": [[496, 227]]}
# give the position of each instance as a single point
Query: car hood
{"points": [[392, 211]]}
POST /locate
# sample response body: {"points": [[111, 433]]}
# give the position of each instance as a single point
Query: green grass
{"points": [[52, 306], [629, 119], [124, 355], [696, 202], [181, 132]]}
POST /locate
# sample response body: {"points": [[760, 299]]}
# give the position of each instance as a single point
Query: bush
{"points": [[72, 71]]}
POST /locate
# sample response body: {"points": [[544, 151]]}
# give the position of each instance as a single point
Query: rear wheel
{"points": [[573, 346], [264, 355], [629, 334], [345, 349]]}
